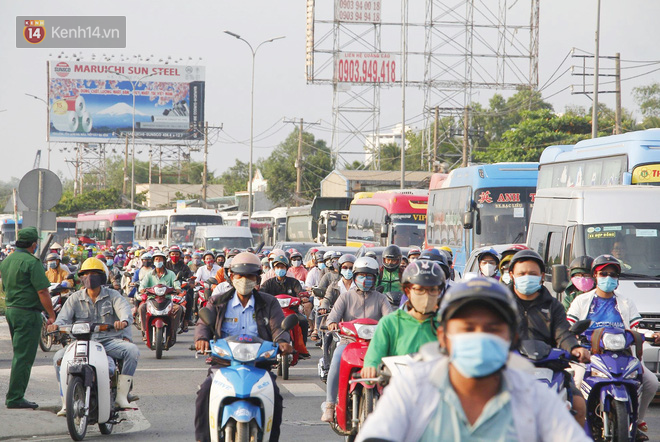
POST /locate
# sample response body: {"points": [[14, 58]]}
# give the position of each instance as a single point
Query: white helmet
{"points": [[365, 264]]}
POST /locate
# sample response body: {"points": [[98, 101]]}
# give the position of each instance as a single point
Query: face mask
{"points": [[220, 263], [528, 284], [92, 281], [244, 286], [488, 269], [506, 278], [109, 263], [280, 273], [174, 259], [424, 304], [321, 265], [52, 264], [296, 263], [265, 268], [476, 355], [158, 265], [347, 273], [198, 261], [607, 283], [583, 283], [365, 283]]}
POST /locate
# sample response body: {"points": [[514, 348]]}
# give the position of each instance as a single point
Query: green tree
{"points": [[235, 178], [279, 168], [88, 201]]}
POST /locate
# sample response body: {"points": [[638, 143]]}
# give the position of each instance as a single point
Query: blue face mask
{"points": [[365, 282], [476, 355], [280, 273], [159, 264], [607, 283], [52, 264], [528, 284], [109, 263], [321, 265], [347, 273]]}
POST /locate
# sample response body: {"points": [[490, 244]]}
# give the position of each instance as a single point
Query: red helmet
{"points": [[176, 249]]}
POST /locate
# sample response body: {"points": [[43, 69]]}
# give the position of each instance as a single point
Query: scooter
{"points": [[289, 306], [159, 318], [46, 340], [241, 401], [329, 341], [356, 397], [202, 295], [90, 381]]}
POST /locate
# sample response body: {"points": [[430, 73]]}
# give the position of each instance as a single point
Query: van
{"points": [[220, 237], [620, 220]]}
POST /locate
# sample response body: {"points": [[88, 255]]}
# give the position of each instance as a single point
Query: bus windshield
{"points": [[337, 232], [121, 236], [182, 227], [635, 245], [229, 243], [406, 235], [503, 215]]}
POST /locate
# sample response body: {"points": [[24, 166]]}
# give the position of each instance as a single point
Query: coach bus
{"points": [[387, 217], [107, 228], [173, 226], [8, 228], [630, 158], [480, 205], [66, 229]]}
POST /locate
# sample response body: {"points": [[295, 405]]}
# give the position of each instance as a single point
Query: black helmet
{"points": [[605, 260], [318, 255], [485, 291], [436, 256], [581, 263], [246, 263], [392, 252], [527, 255], [489, 251], [425, 273]]}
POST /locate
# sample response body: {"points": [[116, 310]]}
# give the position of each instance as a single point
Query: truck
{"points": [[324, 221]]}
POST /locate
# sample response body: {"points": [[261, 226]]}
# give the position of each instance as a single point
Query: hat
{"points": [[28, 234]]}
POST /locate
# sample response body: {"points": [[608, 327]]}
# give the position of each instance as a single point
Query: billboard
{"points": [[93, 102]]}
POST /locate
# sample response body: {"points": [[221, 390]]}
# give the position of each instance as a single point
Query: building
{"points": [[166, 195], [375, 141], [349, 182], [259, 199]]}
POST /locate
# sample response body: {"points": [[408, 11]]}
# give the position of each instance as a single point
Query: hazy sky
{"points": [[194, 29]]}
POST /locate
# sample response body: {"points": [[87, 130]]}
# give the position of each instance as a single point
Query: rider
{"points": [[358, 303], [100, 304], [542, 317], [114, 271], [439, 257], [160, 275], [183, 273], [297, 269], [505, 262], [389, 275], [331, 274], [220, 259], [581, 279], [405, 330], [414, 253], [471, 394], [263, 319], [607, 308], [196, 262], [224, 286], [315, 273], [489, 261], [208, 270], [56, 274]]}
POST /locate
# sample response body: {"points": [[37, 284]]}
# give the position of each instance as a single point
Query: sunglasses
{"points": [[612, 274]]}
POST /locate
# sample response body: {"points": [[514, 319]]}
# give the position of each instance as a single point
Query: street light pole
{"points": [[47, 128], [254, 55], [133, 84]]}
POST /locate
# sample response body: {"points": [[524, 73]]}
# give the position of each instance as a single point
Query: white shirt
{"points": [[203, 273]]}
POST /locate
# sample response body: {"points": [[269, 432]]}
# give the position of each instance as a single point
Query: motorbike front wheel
{"points": [[285, 367], [45, 340], [76, 420], [106, 428], [159, 343], [619, 421]]}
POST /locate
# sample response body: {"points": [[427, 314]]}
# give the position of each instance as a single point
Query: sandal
{"points": [[314, 336]]}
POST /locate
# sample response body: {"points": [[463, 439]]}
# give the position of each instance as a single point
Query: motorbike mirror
{"points": [[207, 317], [559, 278], [468, 220], [212, 281], [289, 322], [318, 292], [383, 231], [580, 327], [380, 288], [322, 229]]}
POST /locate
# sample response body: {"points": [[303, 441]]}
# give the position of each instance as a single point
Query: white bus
{"points": [[174, 226]]}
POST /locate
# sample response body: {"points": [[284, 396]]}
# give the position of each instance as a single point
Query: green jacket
{"points": [[569, 295], [390, 280], [168, 279], [399, 334], [23, 276]]}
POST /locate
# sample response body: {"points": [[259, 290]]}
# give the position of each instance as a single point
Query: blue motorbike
{"points": [[242, 397]]}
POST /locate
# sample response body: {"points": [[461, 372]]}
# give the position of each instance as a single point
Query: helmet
{"points": [[290, 251], [437, 256], [603, 261], [52, 256], [527, 255], [273, 253], [233, 252], [328, 255], [489, 251], [449, 251], [264, 261], [336, 254], [227, 265], [175, 249], [147, 256], [365, 264], [484, 291], [371, 254], [109, 255], [245, 263], [159, 253], [581, 263], [392, 251], [313, 251], [347, 258], [414, 251], [197, 255], [423, 272], [296, 254], [318, 255], [512, 250], [207, 253], [282, 259], [505, 262], [93, 265], [100, 256]]}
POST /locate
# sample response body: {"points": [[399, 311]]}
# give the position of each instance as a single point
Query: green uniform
{"points": [[390, 280], [22, 277], [151, 279], [570, 294], [399, 334]]}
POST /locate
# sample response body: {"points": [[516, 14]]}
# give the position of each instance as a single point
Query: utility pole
{"points": [[299, 157], [123, 187], [617, 70], [404, 50], [435, 140], [594, 112], [150, 164], [466, 135], [206, 160]]}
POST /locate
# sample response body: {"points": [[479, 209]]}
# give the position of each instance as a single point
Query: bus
{"points": [[172, 226], [106, 228], [630, 158], [387, 217], [66, 230], [235, 219], [324, 221], [480, 205], [8, 228]]}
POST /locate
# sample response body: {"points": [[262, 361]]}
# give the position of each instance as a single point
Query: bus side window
{"points": [[569, 253], [554, 249], [538, 235]]}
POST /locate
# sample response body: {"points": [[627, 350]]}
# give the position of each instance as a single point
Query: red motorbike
{"points": [[159, 319], [290, 305], [356, 397]]}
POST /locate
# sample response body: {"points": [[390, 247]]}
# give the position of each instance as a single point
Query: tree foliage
{"points": [[235, 178], [88, 201], [648, 100]]}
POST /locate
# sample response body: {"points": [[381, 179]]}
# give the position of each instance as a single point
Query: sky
{"points": [[174, 29]]}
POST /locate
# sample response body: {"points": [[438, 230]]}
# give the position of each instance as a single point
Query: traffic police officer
{"points": [[26, 287]]}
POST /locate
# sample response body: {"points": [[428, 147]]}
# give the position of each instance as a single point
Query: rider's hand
{"points": [[52, 328], [120, 325], [656, 336], [333, 326], [582, 354], [322, 311], [51, 319], [285, 348], [368, 372], [201, 345]]}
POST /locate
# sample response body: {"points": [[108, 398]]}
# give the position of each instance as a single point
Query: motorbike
{"points": [[89, 382], [202, 295], [158, 328], [46, 340], [241, 401], [329, 341], [356, 397], [289, 306]]}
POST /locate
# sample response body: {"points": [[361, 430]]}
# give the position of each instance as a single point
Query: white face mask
{"points": [[506, 278], [244, 286], [488, 269]]}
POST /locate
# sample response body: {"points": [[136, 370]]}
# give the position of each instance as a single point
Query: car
{"points": [[472, 265], [379, 252]]}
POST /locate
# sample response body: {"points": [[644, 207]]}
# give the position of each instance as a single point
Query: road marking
{"points": [[304, 368], [134, 417], [304, 389]]}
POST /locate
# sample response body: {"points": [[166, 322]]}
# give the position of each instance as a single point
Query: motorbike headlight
{"points": [[160, 291], [80, 328], [612, 341], [218, 350], [632, 375], [284, 302], [365, 331], [268, 354], [244, 352], [597, 373]]}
